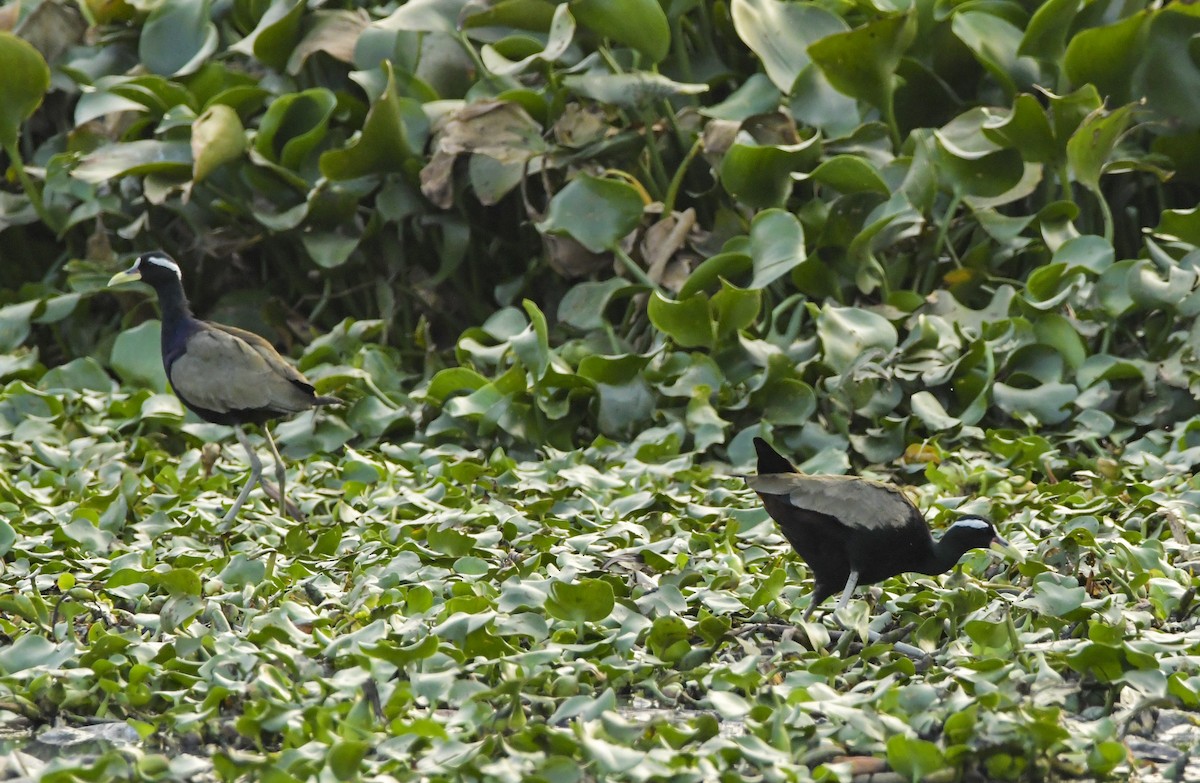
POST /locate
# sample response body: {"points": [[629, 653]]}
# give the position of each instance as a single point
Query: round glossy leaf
{"points": [[588, 600], [638, 24], [393, 134], [178, 37], [776, 246], [137, 357], [595, 212], [26, 79], [848, 332], [687, 322], [217, 138], [780, 34]]}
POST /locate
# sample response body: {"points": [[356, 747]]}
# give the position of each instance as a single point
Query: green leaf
{"points": [[595, 212], [847, 174], [1091, 146], [688, 322], [293, 126], [393, 137], [272, 41], [862, 62], [584, 304], [760, 176], [25, 652], [345, 758], [780, 34], [177, 37], [8, 537], [776, 246], [1046, 34], [629, 90], [638, 24], [217, 138], [995, 42], [846, 333], [1108, 55], [735, 308], [588, 600], [913, 758], [26, 80], [137, 358], [134, 158]]}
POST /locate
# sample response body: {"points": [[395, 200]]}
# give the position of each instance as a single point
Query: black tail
{"points": [[770, 460]]}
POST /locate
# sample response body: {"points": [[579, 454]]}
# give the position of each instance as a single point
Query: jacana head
{"points": [[156, 268], [973, 532]]}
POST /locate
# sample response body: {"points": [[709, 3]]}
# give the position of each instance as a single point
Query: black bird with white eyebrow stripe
{"points": [[223, 374], [854, 531]]}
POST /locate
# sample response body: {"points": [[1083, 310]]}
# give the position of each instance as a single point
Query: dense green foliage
{"points": [[565, 260]]}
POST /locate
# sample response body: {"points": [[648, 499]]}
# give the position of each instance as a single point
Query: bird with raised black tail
{"points": [[853, 531], [223, 374]]}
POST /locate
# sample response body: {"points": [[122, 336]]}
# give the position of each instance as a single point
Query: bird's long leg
{"points": [[255, 475], [280, 474], [851, 583]]}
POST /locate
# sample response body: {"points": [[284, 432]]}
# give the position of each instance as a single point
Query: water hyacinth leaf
{"points": [[293, 125], [1168, 75], [26, 652], [584, 304], [995, 42], [1180, 224], [790, 402], [625, 397], [760, 176], [913, 758], [734, 308], [136, 357], [595, 212], [688, 322], [26, 80], [1025, 128], [588, 600], [134, 158], [217, 138], [394, 132], [710, 272], [335, 32], [1049, 403], [629, 90], [345, 758], [1105, 56], [780, 34], [1091, 146], [558, 39], [271, 42], [178, 37], [776, 246], [1045, 36], [1090, 252], [929, 410], [846, 333], [638, 24], [847, 174], [8, 537], [862, 62]]}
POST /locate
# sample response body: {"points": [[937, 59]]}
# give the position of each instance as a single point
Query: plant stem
{"points": [[30, 187]]}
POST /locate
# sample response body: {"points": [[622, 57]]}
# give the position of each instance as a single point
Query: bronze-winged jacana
{"points": [[223, 374], [854, 531]]}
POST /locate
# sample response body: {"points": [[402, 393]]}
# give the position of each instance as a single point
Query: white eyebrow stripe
{"points": [[160, 260], [978, 524]]}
